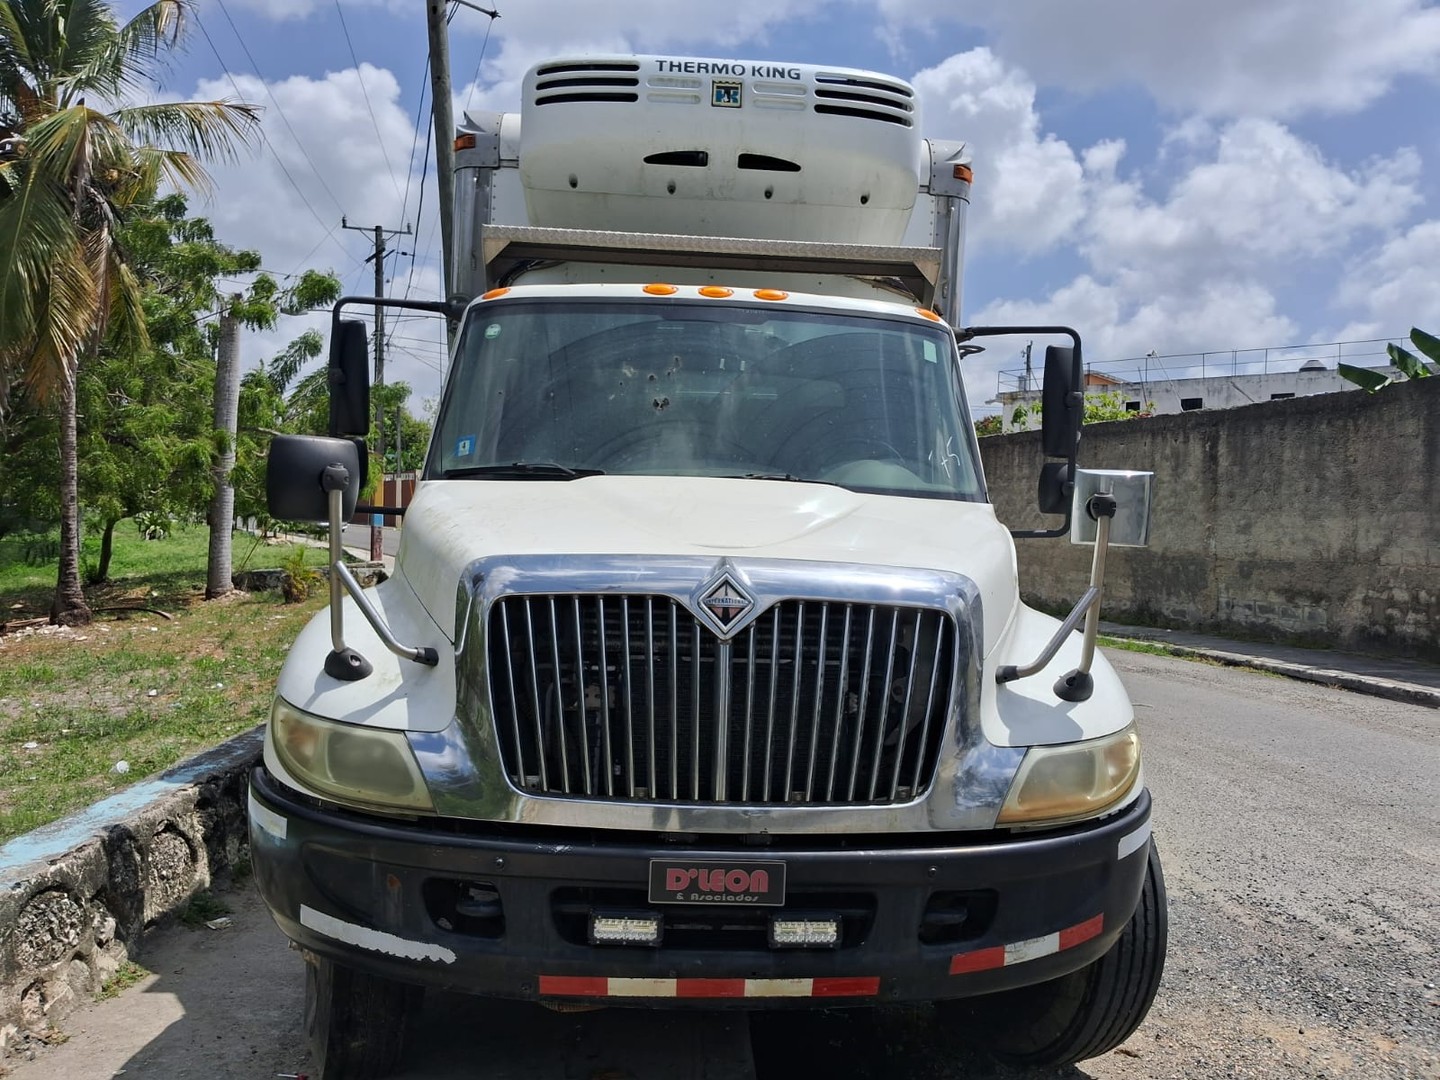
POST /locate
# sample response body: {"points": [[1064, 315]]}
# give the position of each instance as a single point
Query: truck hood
{"points": [[449, 524]]}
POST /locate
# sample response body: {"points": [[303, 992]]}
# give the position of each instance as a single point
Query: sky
{"points": [[1168, 177]]}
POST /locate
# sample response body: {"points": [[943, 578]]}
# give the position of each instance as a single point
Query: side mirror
{"points": [[1131, 491], [349, 375], [301, 472], [1062, 403]]}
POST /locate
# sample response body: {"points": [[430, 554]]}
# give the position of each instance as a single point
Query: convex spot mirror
{"points": [[296, 477], [1132, 491]]}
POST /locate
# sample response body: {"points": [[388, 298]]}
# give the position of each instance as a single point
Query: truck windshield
{"points": [[559, 389]]}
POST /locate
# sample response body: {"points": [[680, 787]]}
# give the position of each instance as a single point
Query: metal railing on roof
{"points": [[1145, 370]]}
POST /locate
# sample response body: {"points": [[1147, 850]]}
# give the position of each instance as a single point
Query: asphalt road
{"points": [[1300, 828]]}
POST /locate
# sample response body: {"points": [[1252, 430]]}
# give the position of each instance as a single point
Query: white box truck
{"points": [[703, 678]]}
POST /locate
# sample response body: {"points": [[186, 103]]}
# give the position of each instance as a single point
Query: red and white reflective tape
{"points": [[588, 986], [1017, 952]]}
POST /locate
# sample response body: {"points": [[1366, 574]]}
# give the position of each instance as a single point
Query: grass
{"points": [[1136, 645], [159, 572], [203, 907], [126, 976], [131, 687]]}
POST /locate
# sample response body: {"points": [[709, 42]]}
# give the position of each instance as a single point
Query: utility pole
{"points": [[1029, 372], [436, 12], [381, 235], [435, 16]]}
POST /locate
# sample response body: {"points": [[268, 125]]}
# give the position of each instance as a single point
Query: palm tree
{"points": [[69, 172]]}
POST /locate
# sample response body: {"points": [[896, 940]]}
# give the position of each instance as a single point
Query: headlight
{"points": [[361, 766], [1064, 783]]}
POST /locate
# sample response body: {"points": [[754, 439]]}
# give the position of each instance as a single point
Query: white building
{"points": [[1159, 395]]}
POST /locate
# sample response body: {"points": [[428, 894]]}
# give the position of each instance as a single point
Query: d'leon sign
{"points": [[734, 69], [677, 882]]}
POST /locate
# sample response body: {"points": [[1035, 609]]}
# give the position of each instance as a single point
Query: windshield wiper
{"points": [[782, 476], [520, 470]]}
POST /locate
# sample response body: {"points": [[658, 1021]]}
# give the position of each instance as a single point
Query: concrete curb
{"points": [[78, 896], [1392, 689]]}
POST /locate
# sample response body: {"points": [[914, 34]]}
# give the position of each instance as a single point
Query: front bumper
{"points": [[923, 918]]}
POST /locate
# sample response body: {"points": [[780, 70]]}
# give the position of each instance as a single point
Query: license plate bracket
{"points": [[707, 881]]}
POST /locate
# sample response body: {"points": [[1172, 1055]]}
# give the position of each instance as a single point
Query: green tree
{"points": [[1407, 363], [146, 413], [1100, 408], [259, 308], [70, 175]]}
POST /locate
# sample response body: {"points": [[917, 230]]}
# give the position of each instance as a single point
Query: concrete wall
{"points": [[78, 896], [1314, 521]]}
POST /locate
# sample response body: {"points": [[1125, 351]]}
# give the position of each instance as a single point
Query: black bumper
{"points": [[923, 918]]}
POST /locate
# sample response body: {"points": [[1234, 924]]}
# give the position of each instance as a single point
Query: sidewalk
{"points": [[1415, 681]]}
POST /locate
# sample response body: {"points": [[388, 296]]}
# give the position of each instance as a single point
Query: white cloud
{"points": [[336, 165], [1197, 267], [1028, 185], [1396, 286], [1221, 57], [1255, 198]]}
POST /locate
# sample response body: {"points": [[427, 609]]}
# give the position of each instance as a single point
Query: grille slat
{"points": [[814, 703], [864, 703]]}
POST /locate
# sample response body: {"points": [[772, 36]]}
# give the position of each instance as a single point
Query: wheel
{"points": [[355, 1022], [1088, 1012]]}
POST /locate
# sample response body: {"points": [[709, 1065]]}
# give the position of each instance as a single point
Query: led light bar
{"points": [[807, 932], [627, 929]]}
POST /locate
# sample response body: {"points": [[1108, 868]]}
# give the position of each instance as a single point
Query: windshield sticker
{"points": [[492, 331], [465, 446], [932, 354]]}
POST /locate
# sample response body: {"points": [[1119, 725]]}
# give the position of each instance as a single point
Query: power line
{"points": [[483, 45], [263, 137], [384, 151], [284, 119], [414, 142], [420, 209]]}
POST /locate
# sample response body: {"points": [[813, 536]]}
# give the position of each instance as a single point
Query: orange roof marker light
{"points": [[495, 294], [964, 172], [932, 316], [465, 142], [658, 289], [771, 294], [717, 292]]}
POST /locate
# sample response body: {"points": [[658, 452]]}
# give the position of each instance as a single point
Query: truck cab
{"points": [[704, 676]]}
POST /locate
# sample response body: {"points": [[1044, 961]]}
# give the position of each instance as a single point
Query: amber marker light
{"points": [[495, 294], [771, 294], [717, 292], [465, 142], [964, 172], [658, 289], [928, 314]]}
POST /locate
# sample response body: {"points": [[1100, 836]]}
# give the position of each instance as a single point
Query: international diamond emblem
{"points": [[727, 602]]}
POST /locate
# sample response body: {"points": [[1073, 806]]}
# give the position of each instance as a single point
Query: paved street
{"points": [[1300, 828]]}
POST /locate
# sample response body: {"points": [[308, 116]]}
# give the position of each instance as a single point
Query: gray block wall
{"points": [[1314, 521]]}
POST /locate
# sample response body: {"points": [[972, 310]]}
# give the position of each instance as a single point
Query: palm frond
{"points": [[206, 129], [121, 59], [38, 237], [176, 167], [15, 62]]}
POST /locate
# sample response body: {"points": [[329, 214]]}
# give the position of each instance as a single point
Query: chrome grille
{"points": [[630, 697]]}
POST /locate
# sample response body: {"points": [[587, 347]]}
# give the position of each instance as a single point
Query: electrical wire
{"points": [[284, 119], [265, 138], [415, 141], [483, 45], [384, 150]]}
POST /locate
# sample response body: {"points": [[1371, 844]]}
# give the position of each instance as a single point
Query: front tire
{"points": [[355, 1022], [1088, 1012]]}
